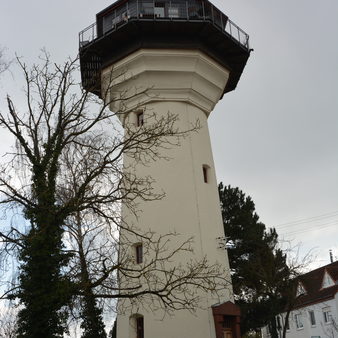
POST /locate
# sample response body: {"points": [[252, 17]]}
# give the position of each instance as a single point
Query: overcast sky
{"points": [[275, 136]]}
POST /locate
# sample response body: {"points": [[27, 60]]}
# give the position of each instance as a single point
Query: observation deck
{"points": [[128, 25]]}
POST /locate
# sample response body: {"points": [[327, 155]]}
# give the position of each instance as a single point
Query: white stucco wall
{"points": [[320, 329], [187, 84]]}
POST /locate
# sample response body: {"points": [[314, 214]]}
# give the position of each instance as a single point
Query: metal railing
{"points": [[152, 10], [88, 35]]}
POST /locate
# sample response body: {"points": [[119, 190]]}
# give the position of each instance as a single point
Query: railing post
{"points": [[203, 11], [170, 15], [212, 13], [137, 8], [186, 7]]}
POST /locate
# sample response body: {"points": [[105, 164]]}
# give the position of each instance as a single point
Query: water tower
{"points": [[188, 54]]}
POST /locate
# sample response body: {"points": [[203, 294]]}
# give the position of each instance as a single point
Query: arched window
{"points": [[139, 118], [138, 251], [206, 173], [136, 322]]}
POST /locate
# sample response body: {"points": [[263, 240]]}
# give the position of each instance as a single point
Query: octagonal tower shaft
{"points": [[187, 84]]}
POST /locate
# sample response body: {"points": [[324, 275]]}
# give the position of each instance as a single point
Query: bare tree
{"points": [[296, 266], [330, 329], [159, 282], [8, 321], [66, 177], [4, 63]]}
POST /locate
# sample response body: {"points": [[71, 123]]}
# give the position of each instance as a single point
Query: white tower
{"points": [[183, 56]]}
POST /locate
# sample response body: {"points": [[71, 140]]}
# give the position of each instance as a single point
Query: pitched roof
{"points": [[312, 282]]}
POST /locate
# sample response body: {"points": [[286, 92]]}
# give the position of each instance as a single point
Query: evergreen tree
{"points": [[259, 269], [92, 322], [42, 259]]}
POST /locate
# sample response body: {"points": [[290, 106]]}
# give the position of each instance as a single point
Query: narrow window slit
{"points": [[139, 327], [139, 119], [139, 253], [206, 170]]}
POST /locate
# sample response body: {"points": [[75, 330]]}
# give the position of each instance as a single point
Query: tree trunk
{"points": [[286, 320]]}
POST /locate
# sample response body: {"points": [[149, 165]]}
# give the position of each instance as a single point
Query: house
{"points": [[315, 314]]}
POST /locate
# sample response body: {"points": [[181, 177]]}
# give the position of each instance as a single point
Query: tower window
{"points": [[206, 173], [159, 9], [139, 327], [136, 326], [139, 253], [139, 119]]}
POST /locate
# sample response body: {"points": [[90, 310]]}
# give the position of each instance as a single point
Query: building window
{"points": [[227, 322], [173, 12], [312, 318], [139, 253], [136, 326], [139, 119], [147, 9], [159, 9], [206, 173], [139, 327], [327, 281], [327, 315], [299, 323], [300, 290]]}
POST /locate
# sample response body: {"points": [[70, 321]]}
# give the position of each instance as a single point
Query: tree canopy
{"points": [[260, 273]]}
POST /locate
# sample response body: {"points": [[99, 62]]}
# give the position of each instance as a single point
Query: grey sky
{"points": [[276, 135]]}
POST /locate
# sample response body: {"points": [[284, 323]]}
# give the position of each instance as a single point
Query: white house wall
{"points": [[321, 329]]}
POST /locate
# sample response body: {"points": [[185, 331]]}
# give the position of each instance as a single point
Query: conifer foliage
{"points": [[260, 273]]}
